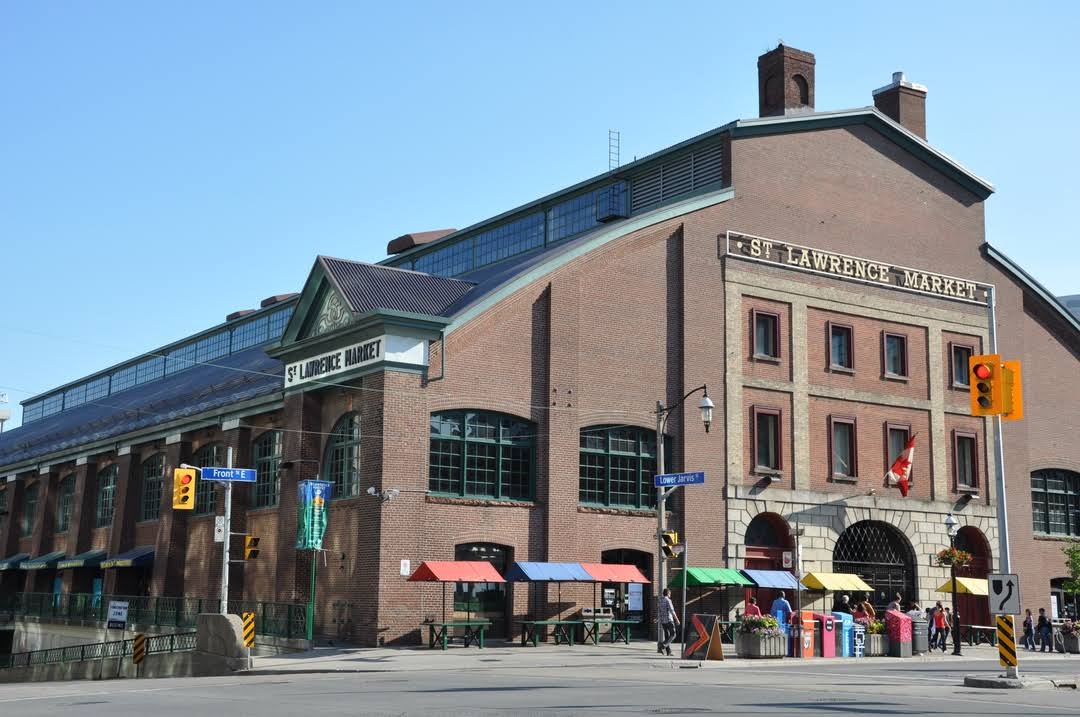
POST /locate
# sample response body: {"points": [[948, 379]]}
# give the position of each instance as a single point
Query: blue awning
{"points": [[13, 562], [548, 572], [779, 579], [135, 558], [89, 559], [44, 562]]}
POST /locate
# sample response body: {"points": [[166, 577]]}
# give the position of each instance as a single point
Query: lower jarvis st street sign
{"points": [[666, 480]]}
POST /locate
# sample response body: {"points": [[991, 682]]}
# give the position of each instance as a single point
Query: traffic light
{"points": [[669, 540], [986, 381], [251, 547], [183, 490], [1013, 392]]}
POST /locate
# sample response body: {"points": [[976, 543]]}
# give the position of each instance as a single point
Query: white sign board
{"points": [[787, 559], [406, 568], [395, 349], [1003, 593], [636, 601], [118, 613], [219, 529]]}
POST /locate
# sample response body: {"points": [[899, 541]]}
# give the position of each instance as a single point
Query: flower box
{"points": [[876, 646], [758, 647], [1072, 643]]}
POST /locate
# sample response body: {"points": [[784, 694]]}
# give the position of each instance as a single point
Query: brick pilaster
{"points": [[44, 524], [11, 580], [125, 512], [80, 524], [300, 461], [170, 548]]}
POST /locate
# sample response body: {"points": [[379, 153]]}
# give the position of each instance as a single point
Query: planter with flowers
{"points": [[1070, 637], [877, 642], [954, 557], [760, 637]]}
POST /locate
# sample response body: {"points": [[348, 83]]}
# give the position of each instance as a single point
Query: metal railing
{"points": [[99, 650], [273, 619]]}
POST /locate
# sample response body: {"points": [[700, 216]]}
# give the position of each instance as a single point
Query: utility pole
{"points": [[228, 537]]}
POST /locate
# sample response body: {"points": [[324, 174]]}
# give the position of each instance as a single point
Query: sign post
{"points": [[1004, 598], [666, 483], [223, 530]]}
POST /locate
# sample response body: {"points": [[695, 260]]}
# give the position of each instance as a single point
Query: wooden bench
{"points": [[617, 629], [531, 631], [442, 632]]}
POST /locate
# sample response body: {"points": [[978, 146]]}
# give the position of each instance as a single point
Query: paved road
{"points": [[523, 685]]}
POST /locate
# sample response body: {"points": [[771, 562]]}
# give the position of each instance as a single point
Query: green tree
{"points": [[1072, 565]]}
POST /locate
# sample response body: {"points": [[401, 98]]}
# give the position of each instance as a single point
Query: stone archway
{"points": [[974, 609], [882, 556]]}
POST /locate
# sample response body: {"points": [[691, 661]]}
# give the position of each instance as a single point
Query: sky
{"points": [[164, 164]]}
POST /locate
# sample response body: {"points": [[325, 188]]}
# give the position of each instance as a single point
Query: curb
{"points": [[1024, 683]]}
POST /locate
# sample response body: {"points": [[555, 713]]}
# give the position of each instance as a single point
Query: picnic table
{"points": [[531, 630], [617, 629], [442, 632], [978, 634]]}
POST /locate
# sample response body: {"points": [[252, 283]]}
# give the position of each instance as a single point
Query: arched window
{"points": [[482, 455], [106, 497], [65, 501], [342, 463], [152, 470], [1055, 501], [267, 459], [212, 455], [802, 89], [881, 555], [29, 511], [617, 465]]}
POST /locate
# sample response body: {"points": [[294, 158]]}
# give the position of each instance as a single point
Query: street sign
{"points": [[1006, 639], [787, 558], [235, 475], [1004, 593], [138, 649], [219, 528], [666, 480], [117, 617]]}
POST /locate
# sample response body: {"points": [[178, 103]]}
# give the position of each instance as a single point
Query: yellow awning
{"points": [[966, 586], [835, 582]]}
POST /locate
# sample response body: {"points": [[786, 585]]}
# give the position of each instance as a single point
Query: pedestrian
{"points": [[895, 604], [752, 608], [668, 620], [781, 609], [1045, 631], [915, 612], [843, 605], [941, 628], [1029, 631]]}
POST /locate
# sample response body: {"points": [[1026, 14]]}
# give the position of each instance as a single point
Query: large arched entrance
{"points": [[629, 601], [485, 600], [767, 539], [882, 556], [974, 609]]}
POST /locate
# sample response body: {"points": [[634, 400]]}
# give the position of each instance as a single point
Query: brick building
{"points": [[824, 274]]}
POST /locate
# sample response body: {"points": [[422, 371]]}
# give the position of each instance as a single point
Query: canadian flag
{"points": [[899, 474]]}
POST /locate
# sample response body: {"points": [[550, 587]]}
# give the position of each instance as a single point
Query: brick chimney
{"points": [[785, 82], [905, 102]]}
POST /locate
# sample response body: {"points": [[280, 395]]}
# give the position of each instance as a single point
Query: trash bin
{"points": [[858, 640], [825, 644], [898, 627], [801, 642], [843, 623], [920, 635]]}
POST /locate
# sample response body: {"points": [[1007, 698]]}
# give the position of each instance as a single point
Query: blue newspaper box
{"points": [[844, 633]]}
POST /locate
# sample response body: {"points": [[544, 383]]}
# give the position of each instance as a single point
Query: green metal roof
{"points": [[711, 576]]}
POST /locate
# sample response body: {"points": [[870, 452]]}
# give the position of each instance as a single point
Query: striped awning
{"points": [[835, 581], [711, 576], [89, 559], [47, 561], [135, 558], [966, 586], [13, 562]]}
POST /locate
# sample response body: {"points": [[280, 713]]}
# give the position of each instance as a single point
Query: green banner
{"points": [[312, 505]]}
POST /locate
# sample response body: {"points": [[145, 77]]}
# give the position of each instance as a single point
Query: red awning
{"points": [[456, 571], [608, 573]]}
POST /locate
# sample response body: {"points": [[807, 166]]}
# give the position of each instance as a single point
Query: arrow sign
{"points": [[1004, 589]]}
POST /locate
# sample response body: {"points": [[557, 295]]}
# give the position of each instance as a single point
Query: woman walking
{"points": [[941, 627], [1029, 631]]}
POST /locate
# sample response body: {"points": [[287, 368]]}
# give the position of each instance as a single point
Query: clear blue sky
{"points": [[162, 164]]}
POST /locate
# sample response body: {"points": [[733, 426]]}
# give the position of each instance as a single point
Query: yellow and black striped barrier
{"points": [[249, 629], [138, 649], [1006, 640]]}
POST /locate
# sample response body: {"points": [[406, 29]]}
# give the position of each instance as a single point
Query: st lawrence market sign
{"points": [[868, 271], [339, 361]]}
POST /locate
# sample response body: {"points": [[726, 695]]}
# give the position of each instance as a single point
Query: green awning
{"points": [[47, 561], [13, 562], [711, 576], [89, 559]]}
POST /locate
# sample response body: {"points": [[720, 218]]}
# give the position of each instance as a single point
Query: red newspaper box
{"points": [[801, 642], [898, 628], [826, 628]]}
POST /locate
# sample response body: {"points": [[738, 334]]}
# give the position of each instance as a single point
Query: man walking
{"points": [[1045, 631], [667, 620]]}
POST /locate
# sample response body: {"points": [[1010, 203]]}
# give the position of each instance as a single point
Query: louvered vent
{"points": [[677, 176]]}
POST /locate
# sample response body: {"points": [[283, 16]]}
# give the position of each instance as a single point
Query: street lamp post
{"points": [[952, 526], [705, 406]]}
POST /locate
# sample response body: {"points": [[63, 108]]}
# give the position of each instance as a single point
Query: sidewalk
{"points": [[639, 654]]}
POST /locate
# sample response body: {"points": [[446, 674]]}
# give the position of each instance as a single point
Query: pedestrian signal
{"points": [[251, 547], [669, 541], [986, 383], [183, 493]]}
